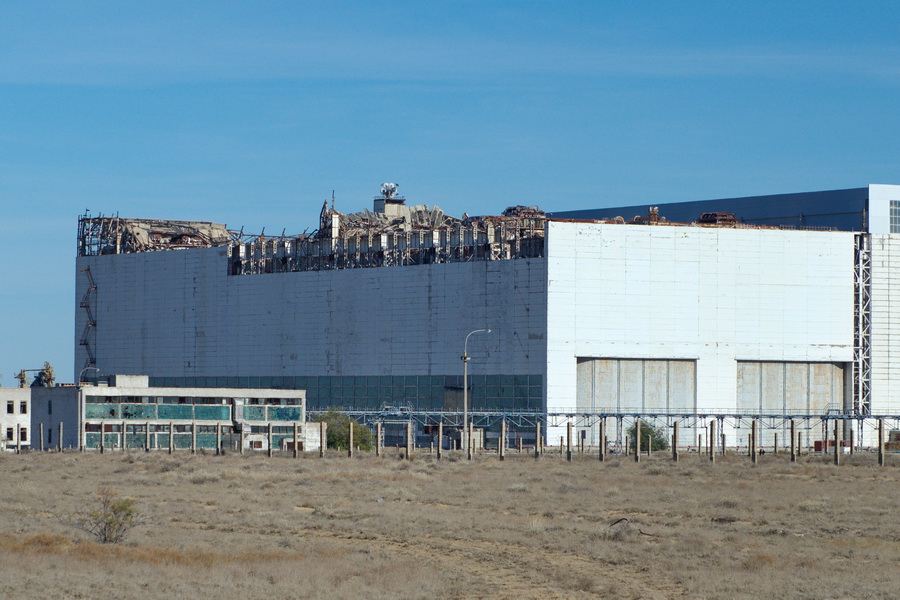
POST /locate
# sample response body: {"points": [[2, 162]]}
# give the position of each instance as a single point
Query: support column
{"points": [[469, 441], [193, 437], [637, 441], [171, 436], [569, 441], [59, 442], [269, 438], [712, 441], [296, 439], [147, 436], [502, 449], [851, 441], [440, 440], [323, 438], [881, 442], [218, 439], [102, 438], [124, 436], [41, 437], [537, 439]]}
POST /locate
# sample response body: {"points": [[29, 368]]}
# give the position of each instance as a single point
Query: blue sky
{"points": [[251, 113]]}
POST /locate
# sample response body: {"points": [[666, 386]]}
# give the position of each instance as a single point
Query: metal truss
{"points": [[862, 324], [90, 326]]}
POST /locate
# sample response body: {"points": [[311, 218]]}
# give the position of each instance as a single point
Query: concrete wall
{"points": [[52, 406], [16, 396], [711, 295], [177, 314]]}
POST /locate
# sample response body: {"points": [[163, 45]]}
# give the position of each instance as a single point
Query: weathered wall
{"points": [[711, 295], [177, 314], [885, 338]]}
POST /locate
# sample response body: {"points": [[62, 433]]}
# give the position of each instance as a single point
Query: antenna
{"points": [[332, 200]]}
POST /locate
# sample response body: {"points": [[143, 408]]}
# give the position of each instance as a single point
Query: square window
{"points": [[10, 408]]}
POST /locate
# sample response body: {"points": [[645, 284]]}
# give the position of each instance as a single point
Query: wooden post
{"points": [[41, 437], [851, 441], [410, 440], [637, 441], [537, 439], [837, 441], [675, 441], [775, 447], [602, 439], [502, 448], [793, 441], [350, 439], [171, 437], [881, 442], [59, 442], [569, 441], [722, 435], [518, 443], [712, 441], [193, 437], [296, 439], [562, 446], [378, 436], [147, 436], [323, 438], [469, 440], [753, 440]]}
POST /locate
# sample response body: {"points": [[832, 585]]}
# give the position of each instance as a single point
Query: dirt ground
{"points": [[251, 526]]}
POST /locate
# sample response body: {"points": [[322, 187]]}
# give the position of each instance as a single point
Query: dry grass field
{"points": [[250, 526]]}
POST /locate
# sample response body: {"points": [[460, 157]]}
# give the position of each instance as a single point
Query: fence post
{"points": [[793, 441], [323, 438], [102, 441], [41, 437], [881, 442], [712, 441], [837, 441], [270, 440], [193, 437], [537, 439], [147, 436], [603, 439], [350, 439], [753, 453], [59, 442], [637, 441], [410, 441], [502, 449], [569, 441], [378, 435], [124, 436], [171, 437], [296, 439], [218, 439], [675, 441]]}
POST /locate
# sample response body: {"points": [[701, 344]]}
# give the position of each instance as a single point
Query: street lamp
{"points": [[465, 359], [82, 373]]}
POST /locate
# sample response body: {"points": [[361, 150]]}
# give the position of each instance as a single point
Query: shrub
{"points": [[649, 434], [339, 432], [112, 518]]}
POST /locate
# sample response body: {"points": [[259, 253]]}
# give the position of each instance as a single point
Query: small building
{"points": [[126, 413], [15, 418]]}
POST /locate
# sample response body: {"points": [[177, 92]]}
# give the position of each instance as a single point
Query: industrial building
{"points": [[123, 412], [777, 305], [15, 418]]}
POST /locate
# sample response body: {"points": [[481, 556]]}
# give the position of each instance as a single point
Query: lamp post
{"points": [[465, 359], [86, 369]]}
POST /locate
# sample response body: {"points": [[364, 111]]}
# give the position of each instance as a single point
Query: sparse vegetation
{"points": [[339, 432], [112, 517], [654, 438], [242, 526]]}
